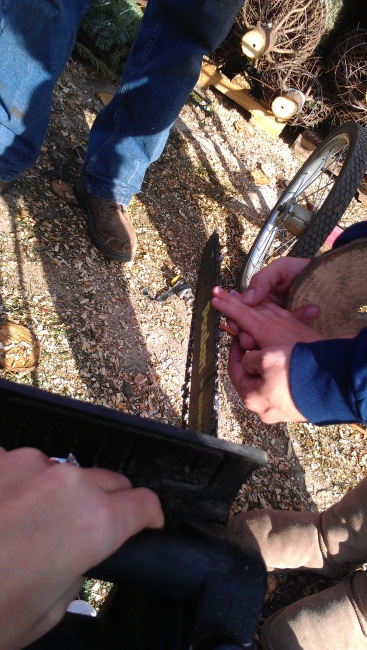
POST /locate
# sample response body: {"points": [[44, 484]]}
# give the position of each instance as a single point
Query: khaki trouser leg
{"points": [[333, 619], [332, 543]]}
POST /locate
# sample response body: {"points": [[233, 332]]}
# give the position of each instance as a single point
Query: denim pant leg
{"points": [[163, 67], [36, 38]]}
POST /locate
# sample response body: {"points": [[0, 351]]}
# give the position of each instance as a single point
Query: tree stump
{"points": [[336, 283]]}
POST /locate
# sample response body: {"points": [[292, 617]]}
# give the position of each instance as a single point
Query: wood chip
{"points": [[19, 348]]}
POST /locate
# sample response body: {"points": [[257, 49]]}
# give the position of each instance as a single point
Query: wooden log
{"points": [[260, 116], [286, 106], [254, 43], [332, 281]]}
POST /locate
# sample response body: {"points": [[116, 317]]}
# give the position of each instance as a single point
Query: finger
{"points": [[135, 510], [235, 371], [275, 278], [273, 308], [235, 368], [106, 479], [235, 355], [247, 319], [123, 515], [251, 363], [18, 467], [233, 326], [306, 313], [27, 458], [247, 342]]}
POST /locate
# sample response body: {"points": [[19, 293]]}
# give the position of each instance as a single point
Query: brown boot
{"points": [[333, 619], [332, 543], [110, 229]]}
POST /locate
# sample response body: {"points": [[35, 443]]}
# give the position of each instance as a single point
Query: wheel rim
{"points": [[310, 188]]}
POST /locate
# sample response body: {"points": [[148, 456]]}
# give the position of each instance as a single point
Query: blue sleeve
{"points": [[329, 378], [356, 231]]}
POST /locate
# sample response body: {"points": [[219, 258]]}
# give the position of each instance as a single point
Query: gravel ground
{"points": [[105, 342]]}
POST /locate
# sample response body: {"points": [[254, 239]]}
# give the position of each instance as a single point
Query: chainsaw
{"points": [[191, 586]]}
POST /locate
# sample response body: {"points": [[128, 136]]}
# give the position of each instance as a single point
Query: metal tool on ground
{"points": [[178, 287], [200, 394]]}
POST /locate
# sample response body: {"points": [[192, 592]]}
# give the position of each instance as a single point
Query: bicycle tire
{"points": [[349, 142]]}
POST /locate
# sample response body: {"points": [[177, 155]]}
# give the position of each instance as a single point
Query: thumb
{"points": [[252, 363], [306, 313]]}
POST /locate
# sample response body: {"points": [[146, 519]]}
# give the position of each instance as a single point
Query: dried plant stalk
{"points": [[301, 89], [282, 31], [348, 73]]}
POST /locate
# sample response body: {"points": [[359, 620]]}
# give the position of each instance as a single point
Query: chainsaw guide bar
{"points": [[200, 390]]}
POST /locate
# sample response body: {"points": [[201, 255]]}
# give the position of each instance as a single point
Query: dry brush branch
{"points": [[296, 94], [282, 31]]}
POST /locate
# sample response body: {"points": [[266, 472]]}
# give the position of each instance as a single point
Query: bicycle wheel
{"points": [[314, 201]]}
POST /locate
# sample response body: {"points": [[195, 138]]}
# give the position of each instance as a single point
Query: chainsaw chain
{"points": [[217, 337]]}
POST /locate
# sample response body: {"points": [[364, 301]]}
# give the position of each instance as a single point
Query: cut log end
{"points": [[333, 282], [284, 107], [254, 43]]}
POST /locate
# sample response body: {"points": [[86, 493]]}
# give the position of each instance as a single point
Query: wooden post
{"points": [[260, 116]]}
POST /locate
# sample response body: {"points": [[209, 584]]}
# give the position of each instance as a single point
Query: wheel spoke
{"points": [[324, 175], [303, 206]]}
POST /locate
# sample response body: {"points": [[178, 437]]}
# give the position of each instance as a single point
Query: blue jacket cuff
{"points": [[329, 380]]}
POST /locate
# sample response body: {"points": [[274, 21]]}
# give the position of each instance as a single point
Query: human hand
{"points": [[261, 379], [264, 326], [272, 283], [56, 522], [274, 280]]}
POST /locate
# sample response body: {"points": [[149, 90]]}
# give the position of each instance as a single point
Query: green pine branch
{"points": [[108, 32], [101, 67]]}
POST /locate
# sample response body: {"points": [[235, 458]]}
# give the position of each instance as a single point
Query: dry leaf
{"points": [[260, 178], [64, 192], [105, 98]]}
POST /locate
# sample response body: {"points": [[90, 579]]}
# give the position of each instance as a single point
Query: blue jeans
{"points": [[36, 38]]}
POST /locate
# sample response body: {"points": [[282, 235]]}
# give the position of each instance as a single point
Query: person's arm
{"points": [[56, 522], [328, 379], [294, 374]]}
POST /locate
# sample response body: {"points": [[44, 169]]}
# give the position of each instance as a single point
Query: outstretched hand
{"points": [[262, 326], [272, 284], [57, 521], [260, 354]]}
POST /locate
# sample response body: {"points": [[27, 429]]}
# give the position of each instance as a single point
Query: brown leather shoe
{"points": [[110, 229]]}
